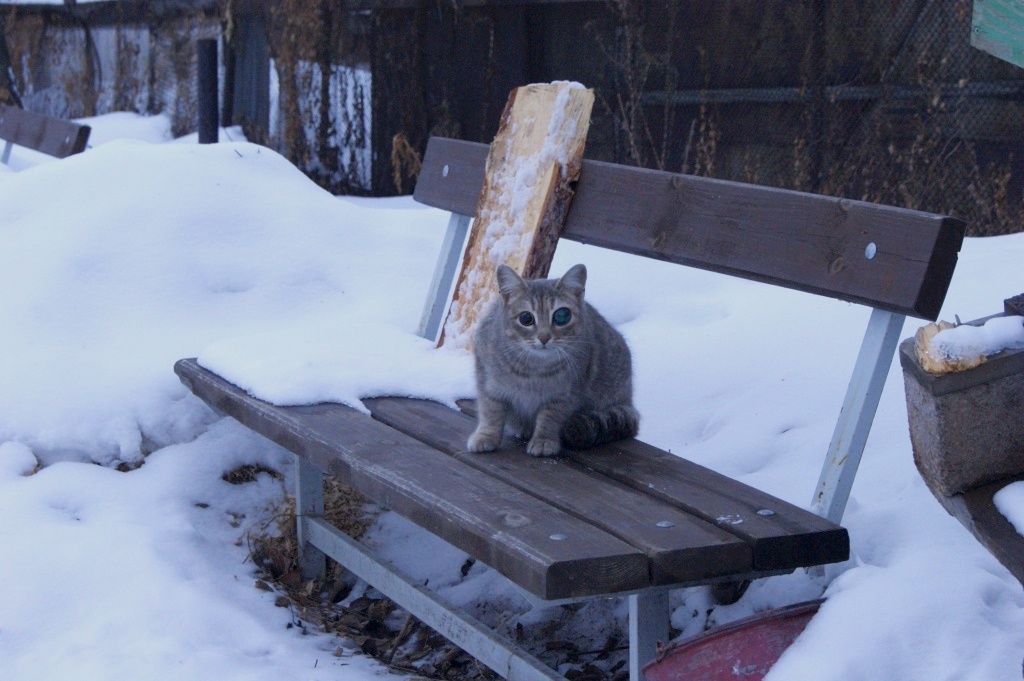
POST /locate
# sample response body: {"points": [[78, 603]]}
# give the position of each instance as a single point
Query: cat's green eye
{"points": [[526, 319], [562, 316]]}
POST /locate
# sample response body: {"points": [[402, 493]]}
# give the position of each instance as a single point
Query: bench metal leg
{"points": [[445, 271], [648, 624], [309, 504], [498, 653], [5, 157], [854, 424]]}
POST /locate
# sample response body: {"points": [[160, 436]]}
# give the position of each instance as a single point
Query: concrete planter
{"points": [[967, 428], [967, 432]]}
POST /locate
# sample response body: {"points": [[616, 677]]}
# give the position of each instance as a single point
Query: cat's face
{"points": [[542, 317]]}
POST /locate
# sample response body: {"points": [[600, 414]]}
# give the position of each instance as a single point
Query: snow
{"points": [[1010, 502], [149, 252], [995, 335]]}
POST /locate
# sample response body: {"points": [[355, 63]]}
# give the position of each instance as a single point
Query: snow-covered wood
{"points": [[533, 162]]}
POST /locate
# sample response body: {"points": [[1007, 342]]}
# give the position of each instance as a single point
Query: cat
{"points": [[550, 368]]}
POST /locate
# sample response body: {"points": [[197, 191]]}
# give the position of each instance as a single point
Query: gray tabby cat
{"points": [[549, 367]]}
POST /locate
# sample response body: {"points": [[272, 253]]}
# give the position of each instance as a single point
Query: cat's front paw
{"points": [[483, 441], [539, 446]]}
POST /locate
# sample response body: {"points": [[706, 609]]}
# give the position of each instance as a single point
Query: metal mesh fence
{"points": [[878, 101]]}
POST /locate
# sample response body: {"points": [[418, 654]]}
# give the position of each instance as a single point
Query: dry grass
{"points": [[372, 624]]}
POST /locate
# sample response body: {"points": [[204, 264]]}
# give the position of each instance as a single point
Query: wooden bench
{"points": [[625, 518], [46, 134]]}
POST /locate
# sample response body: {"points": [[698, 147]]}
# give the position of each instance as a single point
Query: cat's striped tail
{"points": [[586, 429]]}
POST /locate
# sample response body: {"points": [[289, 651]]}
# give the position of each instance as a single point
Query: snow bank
{"points": [[142, 575], [147, 253]]}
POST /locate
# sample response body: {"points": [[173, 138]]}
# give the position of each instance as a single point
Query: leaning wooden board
{"points": [[610, 520]]}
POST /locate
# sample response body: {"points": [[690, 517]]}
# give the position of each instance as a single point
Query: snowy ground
{"points": [[119, 261]]}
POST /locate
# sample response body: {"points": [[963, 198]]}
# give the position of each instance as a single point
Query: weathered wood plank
{"points": [[802, 241], [977, 511], [46, 134], [1014, 305], [452, 175], [682, 547], [782, 536], [787, 538], [505, 528], [532, 165]]}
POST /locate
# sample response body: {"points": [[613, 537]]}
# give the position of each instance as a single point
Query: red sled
{"points": [[744, 649]]}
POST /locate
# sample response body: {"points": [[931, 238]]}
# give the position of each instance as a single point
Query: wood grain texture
{"points": [[781, 536], [788, 538], [473, 511], [802, 241], [1014, 305], [452, 175], [53, 136], [682, 547], [977, 511], [531, 168]]}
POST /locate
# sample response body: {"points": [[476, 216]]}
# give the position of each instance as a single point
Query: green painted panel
{"points": [[998, 28]]}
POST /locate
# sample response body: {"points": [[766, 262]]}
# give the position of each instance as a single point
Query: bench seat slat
{"points": [[803, 241], [446, 497], [53, 136], [688, 550], [788, 538]]}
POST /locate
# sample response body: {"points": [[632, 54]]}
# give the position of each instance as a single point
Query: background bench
{"points": [[625, 518], [45, 134]]}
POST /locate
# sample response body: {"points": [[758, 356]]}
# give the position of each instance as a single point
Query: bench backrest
{"points": [[897, 261], [889, 258], [53, 136]]}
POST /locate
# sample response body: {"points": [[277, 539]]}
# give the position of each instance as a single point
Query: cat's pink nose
{"points": [[543, 338]]}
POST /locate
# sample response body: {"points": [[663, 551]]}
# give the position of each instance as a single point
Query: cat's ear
{"points": [[509, 282], [574, 281]]}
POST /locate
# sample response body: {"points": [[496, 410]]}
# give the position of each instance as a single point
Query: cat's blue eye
{"points": [[526, 319], [562, 316]]}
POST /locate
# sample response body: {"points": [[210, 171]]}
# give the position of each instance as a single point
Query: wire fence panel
{"points": [[878, 101]]}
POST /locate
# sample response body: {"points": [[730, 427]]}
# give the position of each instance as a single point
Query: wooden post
{"points": [[206, 73], [533, 163], [227, 107]]}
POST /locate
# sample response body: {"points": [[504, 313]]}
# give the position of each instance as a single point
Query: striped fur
{"points": [[550, 369]]}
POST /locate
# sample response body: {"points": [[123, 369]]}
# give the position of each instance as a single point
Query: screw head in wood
{"points": [[558, 537], [766, 512], [870, 251], [665, 523], [515, 519], [444, 171]]}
